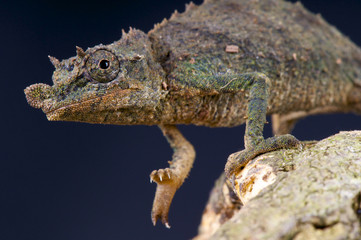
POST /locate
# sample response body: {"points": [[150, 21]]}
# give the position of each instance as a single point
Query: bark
{"points": [[309, 193]]}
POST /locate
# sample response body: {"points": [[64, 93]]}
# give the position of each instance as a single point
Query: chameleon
{"points": [[222, 63]]}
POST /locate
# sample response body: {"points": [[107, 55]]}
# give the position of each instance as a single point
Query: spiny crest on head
{"points": [[132, 31], [80, 52], [190, 6], [123, 33], [129, 35], [132, 35], [54, 61], [298, 4], [135, 45], [159, 25], [174, 15]]}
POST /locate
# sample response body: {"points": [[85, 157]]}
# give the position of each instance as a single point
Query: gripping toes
{"points": [[167, 184], [170, 179], [162, 175], [237, 161]]}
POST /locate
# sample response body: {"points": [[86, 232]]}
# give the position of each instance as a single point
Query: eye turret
{"points": [[103, 66]]}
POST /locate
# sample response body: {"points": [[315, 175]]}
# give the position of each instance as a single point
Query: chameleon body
{"points": [[220, 64]]}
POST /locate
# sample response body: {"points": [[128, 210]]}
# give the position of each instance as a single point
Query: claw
{"points": [[163, 217], [164, 195]]}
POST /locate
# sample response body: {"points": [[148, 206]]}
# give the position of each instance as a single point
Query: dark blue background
{"points": [[76, 181]]}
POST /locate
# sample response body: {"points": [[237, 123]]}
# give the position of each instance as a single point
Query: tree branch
{"points": [[313, 193]]}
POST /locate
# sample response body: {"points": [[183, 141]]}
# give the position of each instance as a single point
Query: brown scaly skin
{"points": [[220, 64]]}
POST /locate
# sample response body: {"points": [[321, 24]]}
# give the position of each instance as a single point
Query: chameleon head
{"points": [[105, 84]]}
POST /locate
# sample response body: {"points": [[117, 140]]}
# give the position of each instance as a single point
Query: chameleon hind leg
{"points": [[282, 126], [284, 123], [255, 144]]}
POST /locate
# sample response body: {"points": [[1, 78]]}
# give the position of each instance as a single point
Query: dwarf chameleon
{"points": [[220, 64]]}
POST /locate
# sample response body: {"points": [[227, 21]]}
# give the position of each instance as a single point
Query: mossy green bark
{"points": [[318, 198]]}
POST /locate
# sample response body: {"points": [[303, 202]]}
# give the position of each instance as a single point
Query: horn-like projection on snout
{"points": [[37, 93]]}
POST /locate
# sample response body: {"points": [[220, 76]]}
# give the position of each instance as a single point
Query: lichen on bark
{"points": [[316, 195]]}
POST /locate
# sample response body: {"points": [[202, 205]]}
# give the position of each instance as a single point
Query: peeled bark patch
{"points": [[318, 197]]}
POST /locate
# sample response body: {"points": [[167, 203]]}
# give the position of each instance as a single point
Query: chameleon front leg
{"points": [[255, 144], [170, 179]]}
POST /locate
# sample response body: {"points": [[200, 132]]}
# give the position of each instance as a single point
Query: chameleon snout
{"points": [[36, 94]]}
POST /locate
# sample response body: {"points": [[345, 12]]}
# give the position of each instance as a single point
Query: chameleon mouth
{"points": [[89, 109], [86, 106], [55, 114]]}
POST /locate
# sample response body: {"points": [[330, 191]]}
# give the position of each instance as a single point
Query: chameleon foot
{"points": [[167, 184], [236, 162], [161, 175]]}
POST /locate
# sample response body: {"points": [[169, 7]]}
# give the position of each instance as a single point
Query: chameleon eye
{"points": [[103, 66]]}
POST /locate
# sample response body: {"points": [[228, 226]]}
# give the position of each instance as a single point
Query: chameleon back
{"points": [[300, 52]]}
